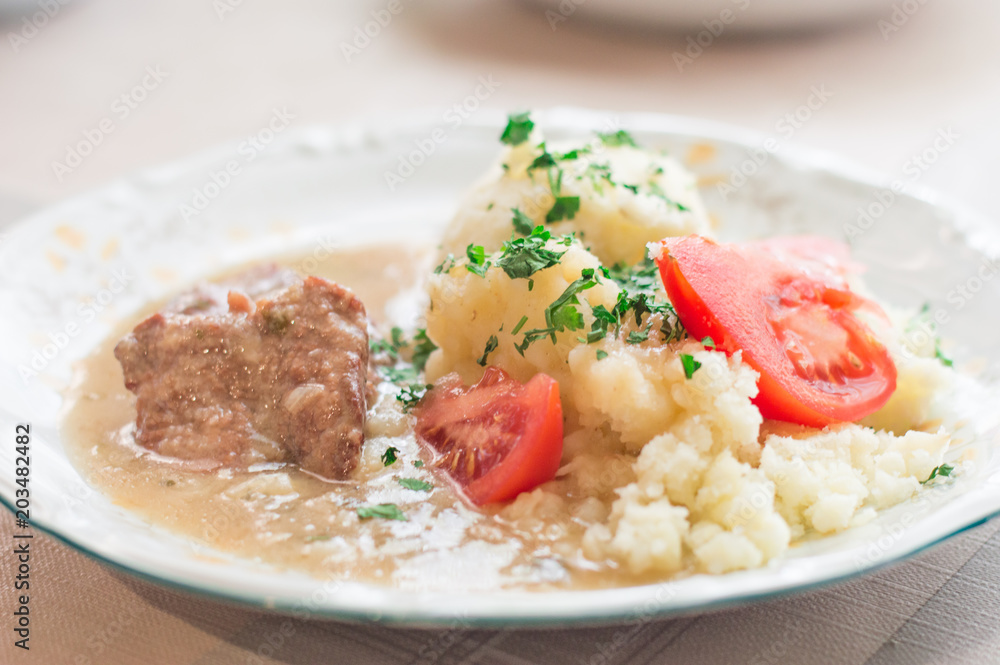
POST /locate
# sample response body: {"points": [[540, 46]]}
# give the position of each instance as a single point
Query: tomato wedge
{"points": [[786, 305], [497, 438]]}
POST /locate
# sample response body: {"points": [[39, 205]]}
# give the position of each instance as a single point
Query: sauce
{"points": [[278, 514]]}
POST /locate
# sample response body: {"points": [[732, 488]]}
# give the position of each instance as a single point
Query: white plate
{"points": [[717, 17], [318, 186]]}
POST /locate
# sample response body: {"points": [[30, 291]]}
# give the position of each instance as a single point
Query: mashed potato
{"points": [[627, 197], [668, 465]]}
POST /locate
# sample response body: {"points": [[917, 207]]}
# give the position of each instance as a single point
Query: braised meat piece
{"points": [[282, 376]]}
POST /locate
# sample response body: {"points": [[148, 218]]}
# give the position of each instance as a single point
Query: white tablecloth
{"points": [[138, 83]]}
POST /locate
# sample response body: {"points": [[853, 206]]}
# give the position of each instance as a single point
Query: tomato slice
{"points": [[497, 438], [786, 305]]}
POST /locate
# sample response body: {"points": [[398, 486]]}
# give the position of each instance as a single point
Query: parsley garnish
{"points": [[617, 139], [445, 265], [423, 347], [415, 484], [382, 346], [491, 345], [418, 463], [410, 395], [601, 354], [323, 536], [943, 471], [523, 257], [690, 364], [708, 343], [543, 161], [522, 223], [277, 321], [562, 314], [400, 374], [565, 207], [520, 324], [389, 456], [386, 511], [519, 126], [637, 337], [658, 192], [477, 260]]}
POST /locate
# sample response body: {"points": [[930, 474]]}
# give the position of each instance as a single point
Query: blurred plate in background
{"points": [[722, 15]]}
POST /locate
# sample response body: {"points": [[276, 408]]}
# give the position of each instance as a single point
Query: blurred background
{"points": [[877, 81]]}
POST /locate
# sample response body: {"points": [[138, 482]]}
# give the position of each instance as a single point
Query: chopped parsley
{"points": [[400, 373], [445, 265], [423, 347], [565, 207], [410, 395], [386, 511], [477, 260], [601, 354], [523, 257], [943, 471], [520, 324], [637, 337], [658, 192], [522, 223], [518, 129], [543, 161], [491, 345], [690, 364], [382, 346], [389, 457], [418, 463], [277, 321], [415, 484], [708, 343], [562, 314], [617, 139], [322, 536]]}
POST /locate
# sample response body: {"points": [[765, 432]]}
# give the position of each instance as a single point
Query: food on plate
{"points": [[596, 392]]}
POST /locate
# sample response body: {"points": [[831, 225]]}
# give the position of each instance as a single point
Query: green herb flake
{"points": [[518, 129], [423, 347], [520, 324], [565, 207], [389, 457], [491, 345], [320, 537], [398, 339], [531, 284], [277, 321], [418, 463], [522, 223], [637, 337], [415, 484], [943, 471], [411, 395], [601, 354], [445, 265], [523, 257], [543, 161], [386, 511], [617, 139], [477, 260], [690, 364], [708, 343], [945, 360], [382, 346], [400, 373]]}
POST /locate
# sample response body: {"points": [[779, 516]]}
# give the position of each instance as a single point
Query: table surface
{"points": [[199, 73]]}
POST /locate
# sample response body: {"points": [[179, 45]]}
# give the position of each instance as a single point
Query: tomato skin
{"points": [[792, 319], [515, 431]]}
